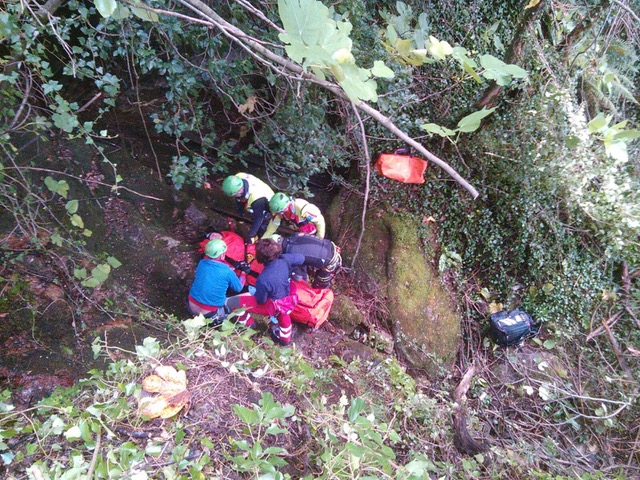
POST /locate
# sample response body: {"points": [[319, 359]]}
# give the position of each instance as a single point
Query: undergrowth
{"points": [[254, 411]]}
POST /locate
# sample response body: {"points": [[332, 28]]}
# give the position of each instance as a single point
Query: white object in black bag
{"points": [[512, 328]]}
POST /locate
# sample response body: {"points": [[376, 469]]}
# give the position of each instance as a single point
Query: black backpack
{"points": [[511, 328]]}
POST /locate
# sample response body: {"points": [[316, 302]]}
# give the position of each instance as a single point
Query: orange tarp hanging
{"points": [[403, 168]]}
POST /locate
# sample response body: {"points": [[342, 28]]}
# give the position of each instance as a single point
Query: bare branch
{"points": [[367, 159]]}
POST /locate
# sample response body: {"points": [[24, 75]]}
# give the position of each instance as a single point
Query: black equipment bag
{"points": [[511, 328]]}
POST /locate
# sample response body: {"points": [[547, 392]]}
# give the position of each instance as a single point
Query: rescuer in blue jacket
{"points": [[212, 280]]}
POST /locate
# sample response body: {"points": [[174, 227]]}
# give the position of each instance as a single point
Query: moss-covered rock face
{"points": [[391, 263], [424, 323]]}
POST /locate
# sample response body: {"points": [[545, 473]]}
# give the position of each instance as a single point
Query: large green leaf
{"points": [[439, 49], [502, 73], [627, 135], [303, 20], [599, 123], [467, 63], [249, 416], [315, 40], [312, 37], [616, 150], [336, 36], [105, 7], [470, 123], [404, 48], [381, 70], [144, 14], [437, 129], [357, 83]]}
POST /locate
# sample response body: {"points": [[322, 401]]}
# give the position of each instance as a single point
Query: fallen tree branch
{"points": [[618, 352], [462, 439], [83, 180], [94, 457]]}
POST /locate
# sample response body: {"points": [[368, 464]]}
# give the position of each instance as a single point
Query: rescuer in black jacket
{"points": [[321, 255]]}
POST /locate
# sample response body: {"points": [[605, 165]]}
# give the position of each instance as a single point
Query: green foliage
{"points": [[100, 273], [299, 150], [615, 138], [98, 415], [263, 420], [106, 7], [184, 169], [409, 44], [607, 188], [468, 124], [317, 41], [557, 216]]}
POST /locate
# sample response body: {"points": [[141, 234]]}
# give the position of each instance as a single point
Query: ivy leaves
{"points": [[99, 273], [318, 42]]}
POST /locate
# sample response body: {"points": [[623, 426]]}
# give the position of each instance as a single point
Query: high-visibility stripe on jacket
{"points": [[303, 213], [257, 189]]}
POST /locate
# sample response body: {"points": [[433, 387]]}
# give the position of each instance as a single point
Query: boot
{"points": [[274, 333]]}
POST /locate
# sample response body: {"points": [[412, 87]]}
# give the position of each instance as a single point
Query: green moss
{"points": [[423, 320], [391, 265], [345, 313]]}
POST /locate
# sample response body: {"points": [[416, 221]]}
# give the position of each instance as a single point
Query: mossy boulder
{"points": [[392, 265], [345, 313]]}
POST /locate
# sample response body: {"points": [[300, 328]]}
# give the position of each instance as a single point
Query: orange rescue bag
{"points": [[403, 168], [313, 306]]}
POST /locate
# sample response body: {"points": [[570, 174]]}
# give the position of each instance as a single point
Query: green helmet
{"points": [[214, 248], [279, 202], [276, 237], [232, 185]]}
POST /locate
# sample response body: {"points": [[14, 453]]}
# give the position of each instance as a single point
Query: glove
{"points": [[243, 267], [251, 289], [250, 240]]}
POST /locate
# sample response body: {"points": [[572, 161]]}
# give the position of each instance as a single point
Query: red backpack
{"points": [[236, 253]]}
